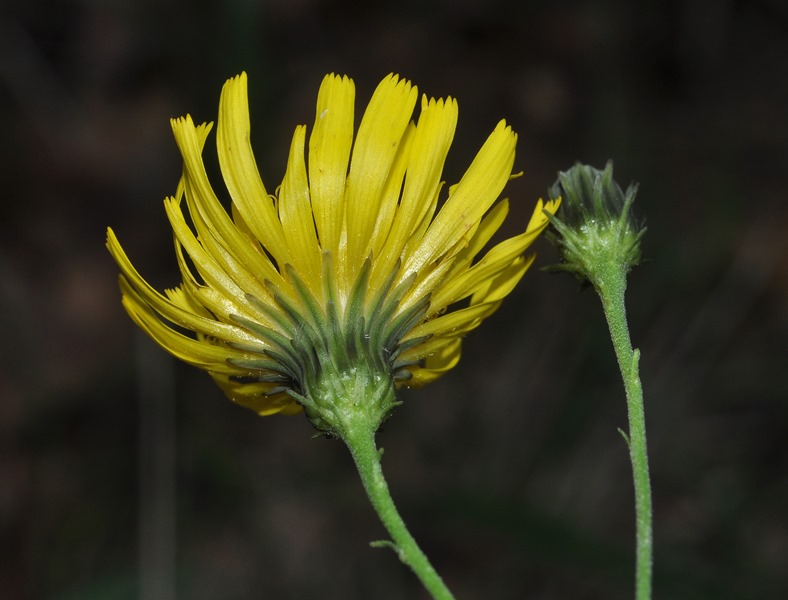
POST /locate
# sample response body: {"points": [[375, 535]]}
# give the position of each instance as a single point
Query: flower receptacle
{"points": [[356, 396]]}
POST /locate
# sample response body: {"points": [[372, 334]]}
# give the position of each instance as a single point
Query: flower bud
{"points": [[594, 229]]}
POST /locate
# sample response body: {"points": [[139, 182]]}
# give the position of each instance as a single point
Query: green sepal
{"points": [[354, 311]]}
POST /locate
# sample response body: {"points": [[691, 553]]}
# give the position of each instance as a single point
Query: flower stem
{"points": [[360, 439], [610, 284]]}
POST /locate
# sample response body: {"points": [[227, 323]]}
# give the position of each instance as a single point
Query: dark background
{"points": [[124, 474]]}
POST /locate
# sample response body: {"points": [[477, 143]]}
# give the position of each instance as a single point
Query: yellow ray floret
{"points": [[359, 257]]}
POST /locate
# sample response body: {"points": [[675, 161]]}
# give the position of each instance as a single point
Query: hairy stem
{"points": [[360, 439], [611, 285]]}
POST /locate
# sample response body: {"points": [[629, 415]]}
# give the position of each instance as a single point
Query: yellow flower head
{"points": [[354, 265]]}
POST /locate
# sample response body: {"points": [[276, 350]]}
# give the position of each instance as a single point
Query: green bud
{"points": [[594, 229]]}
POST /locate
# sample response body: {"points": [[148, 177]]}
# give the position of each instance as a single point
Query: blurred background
{"points": [[126, 475]]}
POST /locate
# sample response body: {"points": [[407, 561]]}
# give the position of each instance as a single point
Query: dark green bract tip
{"points": [[594, 228]]}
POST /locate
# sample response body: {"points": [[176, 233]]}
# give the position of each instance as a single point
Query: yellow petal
{"points": [[538, 219], [455, 323], [246, 267], [390, 207], [210, 269], [207, 213], [177, 315], [428, 279], [496, 289], [491, 222], [295, 212], [421, 226], [239, 169], [329, 151], [497, 259], [181, 298], [433, 137], [461, 284], [382, 127], [254, 396], [436, 364], [133, 284], [197, 353], [471, 198]]}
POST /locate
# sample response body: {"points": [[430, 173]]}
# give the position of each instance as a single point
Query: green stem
{"points": [[360, 439], [611, 285]]}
